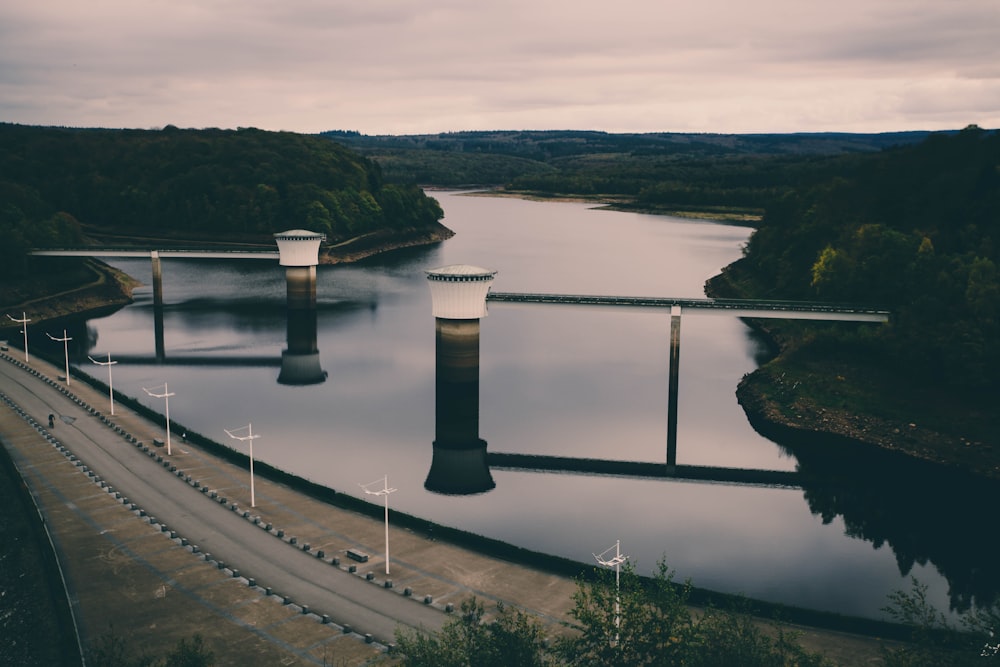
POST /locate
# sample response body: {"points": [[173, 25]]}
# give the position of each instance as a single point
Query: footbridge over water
{"points": [[460, 295]]}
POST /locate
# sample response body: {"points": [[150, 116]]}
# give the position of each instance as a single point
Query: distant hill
{"points": [[508, 157]]}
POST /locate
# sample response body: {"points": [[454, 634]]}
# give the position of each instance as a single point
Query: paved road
{"points": [[121, 565], [214, 527]]}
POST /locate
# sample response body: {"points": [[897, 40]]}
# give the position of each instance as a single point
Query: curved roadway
{"points": [[229, 537]]}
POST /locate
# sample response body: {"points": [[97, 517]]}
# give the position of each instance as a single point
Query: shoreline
{"points": [[111, 289], [779, 410]]}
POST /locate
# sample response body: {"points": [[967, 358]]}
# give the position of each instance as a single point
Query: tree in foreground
{"points": [[113, 650], [934, 642], [511, 639], [636, 622]]}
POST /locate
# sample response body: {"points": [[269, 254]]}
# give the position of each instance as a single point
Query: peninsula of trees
{"points": [[61, 185]]}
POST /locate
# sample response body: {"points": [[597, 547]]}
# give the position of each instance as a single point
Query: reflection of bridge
{"points": [[585, 466]]}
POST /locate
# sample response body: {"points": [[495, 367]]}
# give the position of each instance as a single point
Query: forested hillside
{"points": [[59, 184], [661, 171], [915, 229]]}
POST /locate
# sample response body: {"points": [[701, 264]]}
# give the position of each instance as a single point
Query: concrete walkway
{"points": [[158, 547]]}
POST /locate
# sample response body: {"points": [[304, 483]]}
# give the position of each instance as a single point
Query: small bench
{"points": [[359, 556], [157, 442]]}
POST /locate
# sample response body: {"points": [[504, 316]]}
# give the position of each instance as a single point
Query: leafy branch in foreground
{"points": [[934, 642]]}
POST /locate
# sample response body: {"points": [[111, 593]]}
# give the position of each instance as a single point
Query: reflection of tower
{"points": [[299, 254], [458, 295], [300, 362]]}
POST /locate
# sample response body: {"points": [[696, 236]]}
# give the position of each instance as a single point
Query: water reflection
{"points": [[300, 364], [925, 513]]}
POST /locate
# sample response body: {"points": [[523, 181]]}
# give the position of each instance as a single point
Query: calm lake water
{"points": [[554, 380]]}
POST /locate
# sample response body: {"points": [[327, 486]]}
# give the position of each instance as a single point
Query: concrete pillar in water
{"points": [[675, 359], [459, 465], [154, 257], [298, 251]]}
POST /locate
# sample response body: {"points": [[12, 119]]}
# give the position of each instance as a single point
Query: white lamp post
{"points": [[249, 436], [614, 561], [165, 395], [65, 341], [24, 329], [384, 491], [111, 386]]}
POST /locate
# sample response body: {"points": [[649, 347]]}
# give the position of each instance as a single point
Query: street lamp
{"points": [[111, 386], [165, 395], [384, 491], [24, 329], [616, 562], [65, 341], [249, 436]]}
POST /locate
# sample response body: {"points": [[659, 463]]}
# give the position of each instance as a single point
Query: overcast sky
{"points": [[404, 67]]}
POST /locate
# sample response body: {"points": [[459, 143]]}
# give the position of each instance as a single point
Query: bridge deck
{"points": [[731, 307], [178, 253]]}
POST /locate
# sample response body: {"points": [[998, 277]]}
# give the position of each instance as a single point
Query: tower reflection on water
{"points": [[458, 465]]}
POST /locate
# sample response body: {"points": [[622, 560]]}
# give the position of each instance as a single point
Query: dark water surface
{"points": [[554, 380]]}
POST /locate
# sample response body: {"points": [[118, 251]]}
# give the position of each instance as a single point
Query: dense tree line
{"points": [[914, 229], [58, 183], [652, 166]]}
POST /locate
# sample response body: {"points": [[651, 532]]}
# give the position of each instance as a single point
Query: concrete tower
{"points": [[299, 254], [459, 463]]}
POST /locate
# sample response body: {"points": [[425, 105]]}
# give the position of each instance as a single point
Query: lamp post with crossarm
{"points": [[249, 436], [24, 329], [166, 396], [384, 492], [65, 341], [614, 561], [111, 385]]}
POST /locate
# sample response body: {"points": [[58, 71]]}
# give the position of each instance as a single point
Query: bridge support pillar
{"points": [[459, 465], [675, 358], [154, 257]]}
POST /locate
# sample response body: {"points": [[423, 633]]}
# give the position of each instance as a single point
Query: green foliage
{"points": [[241, 185], [934, 641], [113, 650], [512, 639], [635, 622], [912, 229]]}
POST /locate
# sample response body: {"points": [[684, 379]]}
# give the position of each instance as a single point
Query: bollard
{"points": [[369, 576]]}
